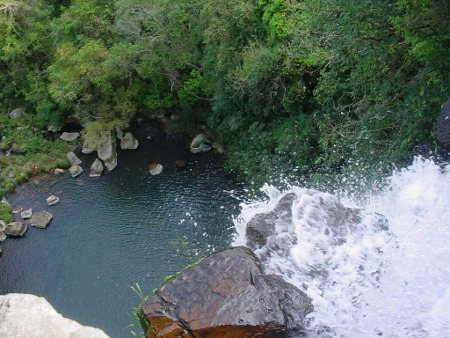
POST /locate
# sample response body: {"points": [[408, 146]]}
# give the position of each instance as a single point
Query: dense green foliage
{"points": [[286, 85]]}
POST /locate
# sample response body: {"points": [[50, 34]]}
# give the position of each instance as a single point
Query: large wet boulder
{"points": [[442, 129], [226, 295], [41, 219], [106, 150], [155, 169], [24, 315], [128, 141], [200, 144], [313, 209]]}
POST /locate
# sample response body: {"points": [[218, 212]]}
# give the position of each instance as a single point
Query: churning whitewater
{"points": [[367, 279]]}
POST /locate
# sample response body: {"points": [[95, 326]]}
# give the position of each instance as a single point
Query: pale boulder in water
{"points": [[41, 219], [200, 144], [75, 170], [16, 229], [52, 200], [96, 168]]}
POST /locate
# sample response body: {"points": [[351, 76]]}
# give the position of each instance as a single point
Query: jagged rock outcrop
{"points": [[96, 168], [69, 137], [41, 219], [442, 129], [24, 315], [200, 144], [226, 295], [128, 141]]}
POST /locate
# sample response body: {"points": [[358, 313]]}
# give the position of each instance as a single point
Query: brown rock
{"points": [[226, 295]]}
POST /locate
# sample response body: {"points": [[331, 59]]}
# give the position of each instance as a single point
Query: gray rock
{"points": [[17, 113], [69, 137], [200, 144], [74, 160], [41, 219], [53, 128], [16, 229], [442, 128], [107, 150], [128, 141], [155, 169], [88, 148], [2, 231], [227, 294], [26, 214], [119, 133], [96, 168], [23, 315], [75, 170], [59, 171], [52, 200], [261, 226]]}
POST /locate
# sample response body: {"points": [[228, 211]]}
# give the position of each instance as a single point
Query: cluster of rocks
{"points": [[105, 147], [39, 219]]}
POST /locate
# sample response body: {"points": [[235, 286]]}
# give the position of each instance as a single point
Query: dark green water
{"points": [[123, 228]]}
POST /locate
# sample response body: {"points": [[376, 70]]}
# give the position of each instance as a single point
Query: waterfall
{"points": [[366, 278]]}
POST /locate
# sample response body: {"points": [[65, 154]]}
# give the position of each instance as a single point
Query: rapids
{"points": [[393, 283]]}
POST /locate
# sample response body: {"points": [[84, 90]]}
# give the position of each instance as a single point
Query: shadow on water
{"points": [[123, 228]]}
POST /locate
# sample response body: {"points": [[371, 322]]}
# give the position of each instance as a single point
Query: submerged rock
{"points": [[74, 160], [69, 137], [200, 144], [96, 168], [227, 295], [16, 229], [23, 315], [155, 169], [75, 170], [41, 219], [128, 141], [52, 200]]}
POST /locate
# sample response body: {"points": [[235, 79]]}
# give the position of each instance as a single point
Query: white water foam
{"points": [[368, 282]]}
